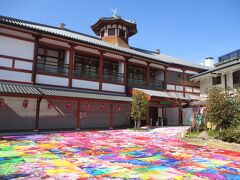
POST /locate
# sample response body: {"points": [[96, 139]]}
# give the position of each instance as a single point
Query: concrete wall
{"points": [[14, 117], [58, 117], [121, 118]]}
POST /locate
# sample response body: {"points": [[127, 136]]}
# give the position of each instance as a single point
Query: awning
{"points": [[64, 92], [15, 89], [169, 95]]}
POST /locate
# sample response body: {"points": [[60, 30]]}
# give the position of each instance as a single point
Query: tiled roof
{"points": [[11, 88], [14, 88], [79, 37], [164, 94], [76, 94]]}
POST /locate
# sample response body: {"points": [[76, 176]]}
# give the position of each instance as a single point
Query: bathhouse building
{"points": [[56, 78]]}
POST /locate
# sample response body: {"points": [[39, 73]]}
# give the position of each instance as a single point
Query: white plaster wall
{"points": [[230, 80], [179, 88], [51, 80], [113, 87], [188, 89], [16, 48], [114, 56], [94, 51], [23, 65], [174, 69], [15, 76], [170, 87], [137, 61], [55, 42], [5, 62], [16, 33], [85, 84], [157, 66]]}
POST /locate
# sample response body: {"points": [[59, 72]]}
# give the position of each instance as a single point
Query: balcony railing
{"points": [[156, 85], [90, 74], [138, 83], [113, 77], [51, 67]]}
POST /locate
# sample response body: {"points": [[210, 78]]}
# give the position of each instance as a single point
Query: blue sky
{"points": [[188, 29]]}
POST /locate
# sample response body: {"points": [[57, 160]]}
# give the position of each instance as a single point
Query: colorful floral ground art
{"points": [[113, 154]]}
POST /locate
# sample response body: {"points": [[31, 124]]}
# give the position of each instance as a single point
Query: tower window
{"points": [[121, 33], [111, 32]]}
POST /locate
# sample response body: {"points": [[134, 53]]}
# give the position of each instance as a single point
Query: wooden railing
{"points": [[52, 67], [156, 85], [138, 83], [113, 77], [90, 74]]}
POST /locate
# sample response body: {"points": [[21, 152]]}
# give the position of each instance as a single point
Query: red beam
{"points": [[34, 70], [111, 116], [37, 114], [78, 115], [100, 70], [71, 62]]}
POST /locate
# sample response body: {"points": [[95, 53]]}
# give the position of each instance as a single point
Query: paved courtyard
{"points": [[156, 154]]}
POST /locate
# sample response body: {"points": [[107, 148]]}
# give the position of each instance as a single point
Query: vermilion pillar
{"points": [[78, 115], [148, 73], [111, 116], [100, 74], [34, 71], [71, 63], [184, 82], [37, 114], [126, 75], [165, 77]]}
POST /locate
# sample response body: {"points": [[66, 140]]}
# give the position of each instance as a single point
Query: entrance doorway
{"points": [[153, 112]]}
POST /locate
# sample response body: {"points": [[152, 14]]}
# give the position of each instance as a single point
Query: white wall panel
{"points": [[4, 62], [15, 76], [113, 87], [85, 84], [23, 65], [170, 87], [17, 48], [51, 80]]}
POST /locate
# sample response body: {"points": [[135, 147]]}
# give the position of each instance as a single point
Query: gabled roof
{"points": [[215, 70], [90, 40]]}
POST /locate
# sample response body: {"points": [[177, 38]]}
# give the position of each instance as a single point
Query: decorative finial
{"points": [[114, 12]]}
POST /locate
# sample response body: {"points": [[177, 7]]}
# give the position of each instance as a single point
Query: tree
{"points": [[139, 108], [220, 108]]}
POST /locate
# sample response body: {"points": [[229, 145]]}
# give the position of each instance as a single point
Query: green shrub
{"points": [[230, 135]]}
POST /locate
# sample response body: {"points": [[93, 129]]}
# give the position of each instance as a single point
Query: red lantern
{"points": [[25, 104], [50, 105], [103, 108], [2, 102], [69, 107], [88, 107], [119, 108]]}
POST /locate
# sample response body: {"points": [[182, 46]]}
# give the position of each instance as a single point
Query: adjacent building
{"points": [[224, 74], [56, 78]]}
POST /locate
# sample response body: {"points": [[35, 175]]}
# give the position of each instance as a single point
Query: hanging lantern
{"points": [[88, 107], [25, 103], [103, 108], [50, 105], [119, 108], [69, 107], [2, 102]]}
